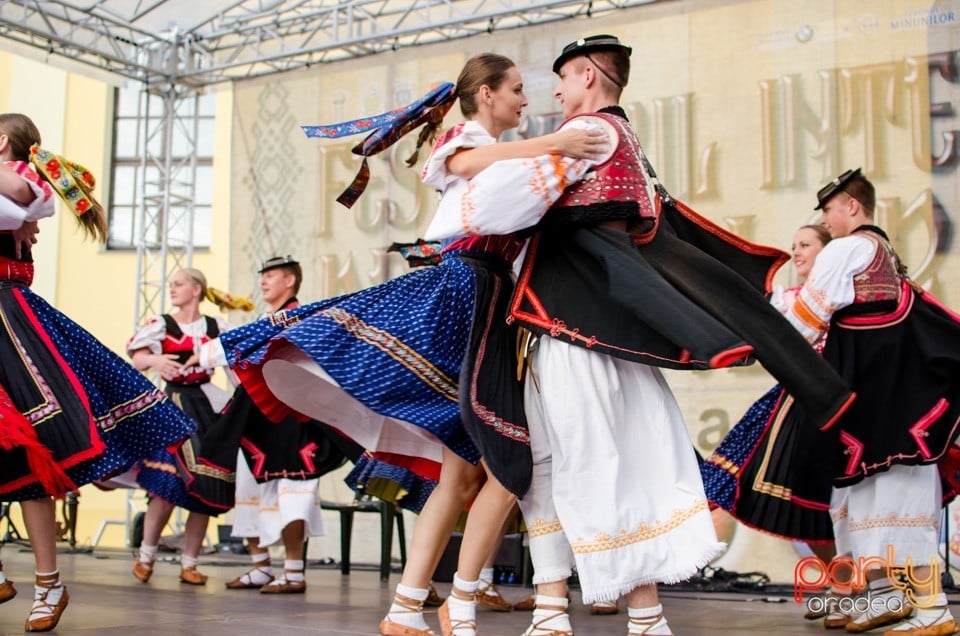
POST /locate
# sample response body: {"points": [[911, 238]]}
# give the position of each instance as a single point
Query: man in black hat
{"points": [[620, 279], [900, 351], [625, 507]]}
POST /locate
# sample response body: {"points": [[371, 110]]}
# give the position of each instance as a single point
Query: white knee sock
{"points": [[51, 593], [293, 570], [548, 619], [148, 553], [647, 620], [463, 609], [486, 575], [404, 616], [262, 572]]}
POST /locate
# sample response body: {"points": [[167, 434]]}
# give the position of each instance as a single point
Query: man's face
{"points": [[837, 215], [275, 284], [570, 90]]}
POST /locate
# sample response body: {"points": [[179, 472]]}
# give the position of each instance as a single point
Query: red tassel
{"points": [[17, 432]]}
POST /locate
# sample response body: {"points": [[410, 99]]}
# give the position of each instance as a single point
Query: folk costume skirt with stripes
{"points": [[384, 365], [290, 449], [87, 413], [779, 473], [176, 474]]}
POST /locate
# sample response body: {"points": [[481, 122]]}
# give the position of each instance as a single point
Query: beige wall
{"points": [[745, 107]]}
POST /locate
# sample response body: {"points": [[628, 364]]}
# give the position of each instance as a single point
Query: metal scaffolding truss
{"points": [[175, 48], [202, 42], [166, 214]]}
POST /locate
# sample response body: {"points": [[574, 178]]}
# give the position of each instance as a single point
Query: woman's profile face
{"points": [[806, 246], [509, 100], [182, 289]]}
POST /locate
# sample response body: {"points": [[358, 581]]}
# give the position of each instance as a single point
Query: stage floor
{"points": [[105, 599]]}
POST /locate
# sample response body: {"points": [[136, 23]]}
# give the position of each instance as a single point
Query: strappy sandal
{"points": [[191, 576], [142, 571], [489, 596], [448, 625], [646, 623], [919, 628], [604, 608], [433, 599], [410, 606], [536, 629], [245, 580], [283, 586], [44, 615]]}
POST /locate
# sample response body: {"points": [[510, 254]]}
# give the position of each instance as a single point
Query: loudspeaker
{"points": [[509, 564]]}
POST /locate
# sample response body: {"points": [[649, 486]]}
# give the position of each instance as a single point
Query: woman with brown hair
{"points": [[381, 365], [71, 411]]}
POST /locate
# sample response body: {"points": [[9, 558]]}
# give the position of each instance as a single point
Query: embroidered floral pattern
{"points": [[893, 520], [397, 350], [541, 527], [644, 532]]}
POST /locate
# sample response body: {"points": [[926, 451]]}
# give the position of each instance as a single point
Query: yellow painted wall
{"points": [[93, 286]]}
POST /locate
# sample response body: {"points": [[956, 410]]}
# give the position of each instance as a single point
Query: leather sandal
{"points": [[245, 580], [645, 623], [918, 628], [142, 571], [191, 576], [449, 625], [7, 591], [536, 628], [489, 596], [433, 599], [410, 606], [604, 608], [527, 604], [44, 616], [284, 586]]}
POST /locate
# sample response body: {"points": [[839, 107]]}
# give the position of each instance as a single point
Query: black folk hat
{"points": [[834, 187], [275, 262], [587, 45]]}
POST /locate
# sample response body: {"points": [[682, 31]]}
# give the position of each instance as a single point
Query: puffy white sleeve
{"points": [[149, 336], [212, 354], [12, 214], [468, 134], [510, 195], [829, 288]]}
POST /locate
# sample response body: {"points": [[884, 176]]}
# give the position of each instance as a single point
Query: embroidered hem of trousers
{"points": [[899, 508], [264, 509], [611, 450]]}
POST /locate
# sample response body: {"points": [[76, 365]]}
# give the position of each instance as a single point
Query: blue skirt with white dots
{"points": [[92, 413]]}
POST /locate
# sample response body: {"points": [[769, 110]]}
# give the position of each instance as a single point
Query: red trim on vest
{"points": [[621, 178]]}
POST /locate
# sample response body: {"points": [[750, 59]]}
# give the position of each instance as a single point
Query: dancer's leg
{"points": [[459, 483]]}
